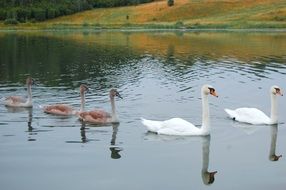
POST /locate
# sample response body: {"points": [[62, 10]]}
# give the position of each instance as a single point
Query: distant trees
{"points": [[40, 10]]}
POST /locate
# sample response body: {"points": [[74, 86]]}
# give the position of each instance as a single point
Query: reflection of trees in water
{"points": [[108, 59], [66, 61], [170, 52]]}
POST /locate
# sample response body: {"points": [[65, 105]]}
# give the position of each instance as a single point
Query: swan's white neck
{"points": [[274, 110], [114, 117], [29, 90], [82, 101], [205, 115]]}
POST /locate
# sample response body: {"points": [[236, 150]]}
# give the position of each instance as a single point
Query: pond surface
{"points": [[159, 75]]}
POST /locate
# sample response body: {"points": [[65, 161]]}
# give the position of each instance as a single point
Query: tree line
{"points": [[39, 10]]}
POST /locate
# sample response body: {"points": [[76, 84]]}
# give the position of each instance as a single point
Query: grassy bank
{"points": [[185, 14]]}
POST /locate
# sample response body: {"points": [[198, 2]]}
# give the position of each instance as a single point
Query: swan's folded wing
{"points": [[14, 100], [152, 126], [59, 109], [252, 116], [174, 126], [231, 113], [178, 126]]}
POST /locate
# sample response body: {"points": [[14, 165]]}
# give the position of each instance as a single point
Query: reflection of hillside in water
{"points": [[62, 62], [112, 58], [215, 45]]}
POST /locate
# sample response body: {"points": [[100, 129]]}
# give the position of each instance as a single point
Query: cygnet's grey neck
{"points": [[82, 101], [29, 91], [114, 117]]}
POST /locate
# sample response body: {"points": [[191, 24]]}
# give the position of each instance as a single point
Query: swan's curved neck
{"points": [[82, 101], [274, 110], [114, 117], [29, 91], [205, 114]]}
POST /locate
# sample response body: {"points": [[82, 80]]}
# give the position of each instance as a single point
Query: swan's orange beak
{"points": [[214, 93]]}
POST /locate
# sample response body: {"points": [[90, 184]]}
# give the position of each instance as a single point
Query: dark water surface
{"points": [[159, 75]]}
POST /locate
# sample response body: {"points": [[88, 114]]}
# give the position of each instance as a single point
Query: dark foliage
{"points": [[170, 3], [11, 21]]}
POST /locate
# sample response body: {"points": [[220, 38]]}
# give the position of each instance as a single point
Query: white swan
{"points": [[178, 126], [17, 101], [101, 117], [66, 110], [255, 116]]}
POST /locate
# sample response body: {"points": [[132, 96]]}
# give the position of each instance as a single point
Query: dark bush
{"points": [[170, 3], [3, 14], [11, 21], [50, 13], [39, 14], [23, 14]]}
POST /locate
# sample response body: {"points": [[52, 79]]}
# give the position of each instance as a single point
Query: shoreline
{"points": [[226, 27], [140, 29]]}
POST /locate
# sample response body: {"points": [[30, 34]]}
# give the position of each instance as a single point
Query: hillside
{"points": [[184, 14]]}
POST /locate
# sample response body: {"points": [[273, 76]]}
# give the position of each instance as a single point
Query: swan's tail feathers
{"points": [[152, 126], [231, 113]]}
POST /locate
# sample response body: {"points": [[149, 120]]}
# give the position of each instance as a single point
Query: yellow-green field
{"points": [[184, 14]]}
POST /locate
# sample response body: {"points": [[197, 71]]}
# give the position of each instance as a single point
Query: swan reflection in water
{"points": [[250, 129], [82, 133], [31, 130], [208, 177], [113, 148], [272, 154]]}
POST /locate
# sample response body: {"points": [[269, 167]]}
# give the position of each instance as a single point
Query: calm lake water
{"points": [[159, 75]]}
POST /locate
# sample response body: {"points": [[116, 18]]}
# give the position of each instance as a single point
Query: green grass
{"points": [[185, 14]]}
